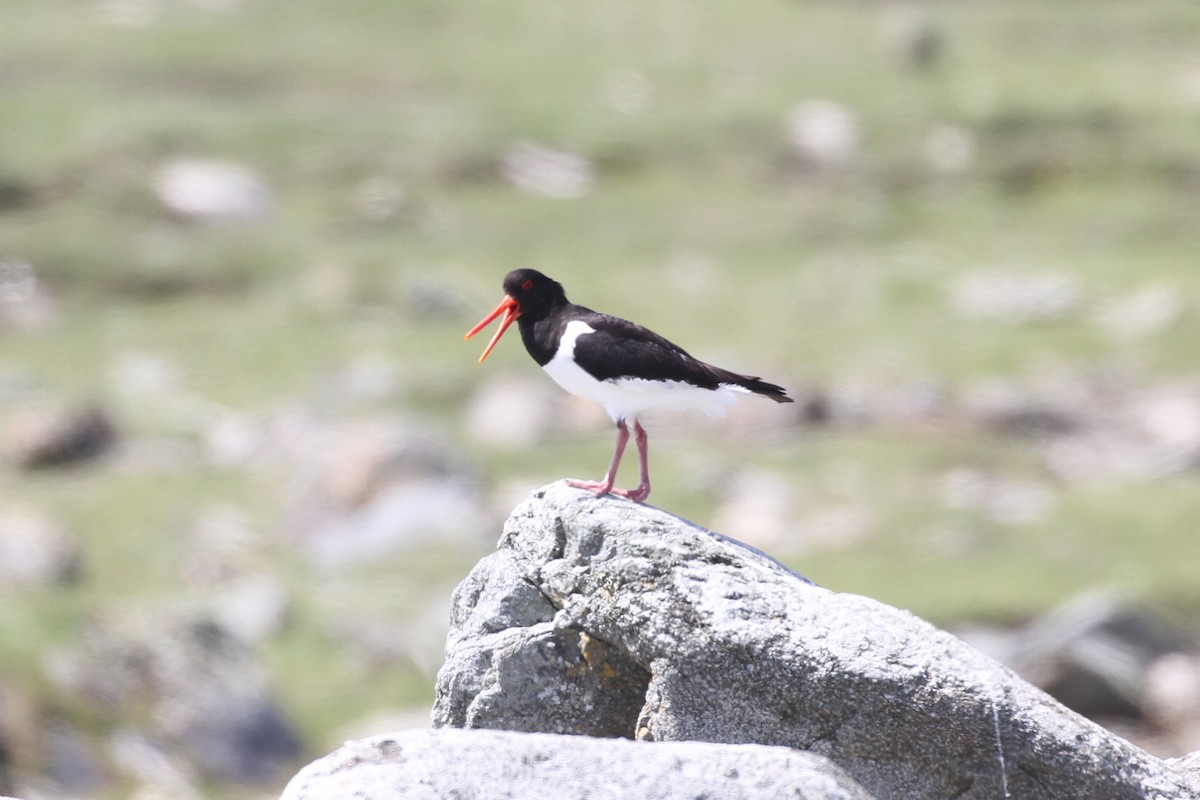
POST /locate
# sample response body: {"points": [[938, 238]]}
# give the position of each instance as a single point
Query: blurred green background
{"points": [[965, 235]]}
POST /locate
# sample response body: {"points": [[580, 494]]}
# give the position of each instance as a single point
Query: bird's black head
{"points": [[529, 296], [535, 294]]}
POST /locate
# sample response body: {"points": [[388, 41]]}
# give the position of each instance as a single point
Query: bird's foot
{"points": [[636, 495], [602, 488]]}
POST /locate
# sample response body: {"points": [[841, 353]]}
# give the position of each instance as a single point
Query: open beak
{"points": [[509, 308]]}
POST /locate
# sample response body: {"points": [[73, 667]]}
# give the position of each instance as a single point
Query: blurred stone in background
{"points": [[950, 149], [547, 171], [190, 695], [514, 412], [36, 550], [206, 190], [26, 302], [52, 435], [1113, 660], [370, 487], [915, 37], [1016, 296], [823, 133]]}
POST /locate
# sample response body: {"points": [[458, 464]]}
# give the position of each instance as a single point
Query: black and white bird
{"points": [[619, 364]]}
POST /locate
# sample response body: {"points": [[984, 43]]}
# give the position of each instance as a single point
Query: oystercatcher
{"points": [[617, 363]]}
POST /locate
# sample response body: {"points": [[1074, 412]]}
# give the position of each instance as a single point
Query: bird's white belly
{"points": [[627, 398]]}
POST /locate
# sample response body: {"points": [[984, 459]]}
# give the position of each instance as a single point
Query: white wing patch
{"points": [[627, 398]]}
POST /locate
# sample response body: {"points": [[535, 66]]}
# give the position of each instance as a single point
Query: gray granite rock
{"points": [[504, 636], [474, 765], [734, 647]]}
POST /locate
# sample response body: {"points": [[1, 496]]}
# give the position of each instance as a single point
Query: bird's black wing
{"points": [[622, 349]]}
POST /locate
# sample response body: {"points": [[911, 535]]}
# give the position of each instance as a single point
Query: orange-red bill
{"points": [[509, 308]]}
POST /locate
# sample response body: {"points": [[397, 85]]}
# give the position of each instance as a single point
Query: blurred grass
{"points": [[700, 224]]}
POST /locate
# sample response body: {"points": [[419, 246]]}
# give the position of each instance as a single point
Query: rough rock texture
{"points": [[730, 646], [1189, 764], [517, 671], [431, 765]]}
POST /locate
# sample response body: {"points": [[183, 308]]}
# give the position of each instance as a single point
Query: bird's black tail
{"points": [[758, 386]]}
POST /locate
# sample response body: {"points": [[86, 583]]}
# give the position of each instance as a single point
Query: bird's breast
{"points": [[566, 371]]}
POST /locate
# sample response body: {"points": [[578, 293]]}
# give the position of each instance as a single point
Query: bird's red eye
{"points": [[527, 284]]}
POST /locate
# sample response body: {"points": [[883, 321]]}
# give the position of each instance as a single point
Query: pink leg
{"points": [[605, 486], [643, 490]]}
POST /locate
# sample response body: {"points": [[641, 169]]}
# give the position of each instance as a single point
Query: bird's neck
{"points": [[540, 332]]}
